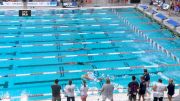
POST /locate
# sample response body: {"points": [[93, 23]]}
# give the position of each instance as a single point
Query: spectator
{"points": [[151, 2], [160, 6], [83, 91], [142, 89], [133, 87], [170, 89], [159, 89], [107, 91], [56, 95], [171, 3], [69, 91]]}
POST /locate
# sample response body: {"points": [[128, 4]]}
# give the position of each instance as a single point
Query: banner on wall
{"points": [[29, 4]]}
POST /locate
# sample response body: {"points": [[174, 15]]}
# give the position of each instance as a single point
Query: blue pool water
{"points": [[34, 51]]}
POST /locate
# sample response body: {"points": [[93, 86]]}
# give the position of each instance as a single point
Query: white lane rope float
{"points": [[91, 70], [72, 43], [151, 41], [79, 33], [83, 43], [60, 20], [64, 34], [78, 55]]}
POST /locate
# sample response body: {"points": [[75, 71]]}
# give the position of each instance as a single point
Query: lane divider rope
{"points": [[91, 70], [77, 55]]}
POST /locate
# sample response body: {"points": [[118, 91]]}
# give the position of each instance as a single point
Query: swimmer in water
{"points": [[77, 49], [77, 63], [91, 77]]}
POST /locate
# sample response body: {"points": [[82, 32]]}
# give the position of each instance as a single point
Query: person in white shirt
{"points": [[107, 91], [69, 91], [83, 91], [159, 89]]}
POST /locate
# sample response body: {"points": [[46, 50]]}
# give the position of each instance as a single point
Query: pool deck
{"points": [[117, 97]]}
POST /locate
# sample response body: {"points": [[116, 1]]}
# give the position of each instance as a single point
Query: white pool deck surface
{"points": [[117, 97]]}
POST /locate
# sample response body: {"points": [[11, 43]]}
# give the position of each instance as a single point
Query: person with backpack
{"points": [[133, 87], [142, 89]]}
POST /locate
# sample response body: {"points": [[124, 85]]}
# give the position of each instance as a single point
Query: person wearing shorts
{"points": [[133, 87], [158, 91], [107, 91], [56, 94], [69, 91], [83, 91]]}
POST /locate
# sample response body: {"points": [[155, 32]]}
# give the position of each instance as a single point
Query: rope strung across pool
{"points": [[91, 70], [65, 56]]}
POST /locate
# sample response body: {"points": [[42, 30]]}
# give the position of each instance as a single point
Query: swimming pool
{"points": [[39, 49]]}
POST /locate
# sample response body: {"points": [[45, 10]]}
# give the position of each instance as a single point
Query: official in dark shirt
{"points": [[147, 80], [56, 95], [170, 89], [146, 77]]}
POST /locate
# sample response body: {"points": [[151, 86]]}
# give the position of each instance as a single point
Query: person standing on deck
{"points": [[147, 80], [69, 91], [56, 94], [133, 87], [107, 91], [170, 88], [83, 91], [142, 89], [159, 89]]}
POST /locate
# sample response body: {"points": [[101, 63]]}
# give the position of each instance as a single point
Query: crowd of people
{"points": [[134, 88], [174, 6], [171, 5]]}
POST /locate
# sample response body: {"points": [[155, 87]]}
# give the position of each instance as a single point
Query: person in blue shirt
{"points": [[147, 80], [146, 77]]}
